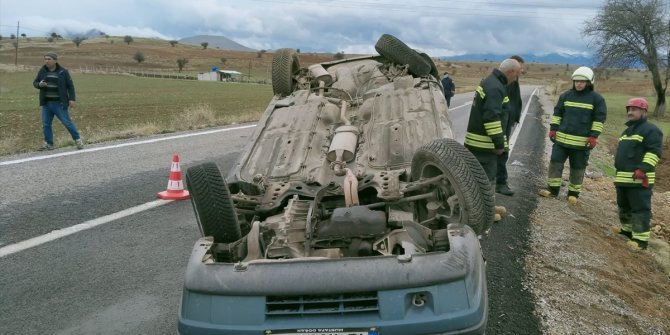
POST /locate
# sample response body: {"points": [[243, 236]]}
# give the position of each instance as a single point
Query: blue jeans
{"points": [[55, 108]]}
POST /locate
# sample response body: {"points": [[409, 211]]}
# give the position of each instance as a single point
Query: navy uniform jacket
{"points": [[65, 85], [448, 86], [515, 104], [489, 107], [578, 116], [640, 147]]}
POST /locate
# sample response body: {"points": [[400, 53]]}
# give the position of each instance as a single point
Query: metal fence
{"points": [[150, 73]]}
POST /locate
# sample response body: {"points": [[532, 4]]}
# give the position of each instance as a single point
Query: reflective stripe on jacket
{"points": [[578, 116], [640, 147], [490, 104]]}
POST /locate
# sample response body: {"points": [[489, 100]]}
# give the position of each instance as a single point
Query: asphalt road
{"points": [[117, 267]]}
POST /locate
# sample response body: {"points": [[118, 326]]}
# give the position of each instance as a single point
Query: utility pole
{"points": [[249, 76], [16, 54]]}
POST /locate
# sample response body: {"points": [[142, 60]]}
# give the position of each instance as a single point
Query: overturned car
{"points": [[352, 210]]}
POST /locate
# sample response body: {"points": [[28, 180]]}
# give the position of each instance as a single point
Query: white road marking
{"points": [[517, 129], [56, 234], [153, 140], [463, 105]]}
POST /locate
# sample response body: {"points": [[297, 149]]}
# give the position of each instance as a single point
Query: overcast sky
{"points": [[440, 28]]}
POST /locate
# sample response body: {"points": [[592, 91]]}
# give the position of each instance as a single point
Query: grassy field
{"points": [[112, 106]]}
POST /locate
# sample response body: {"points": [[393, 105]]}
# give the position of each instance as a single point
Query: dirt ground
{"points": [[585, 279]]}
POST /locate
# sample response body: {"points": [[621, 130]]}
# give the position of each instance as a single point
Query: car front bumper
{"points": [[433, 293]]}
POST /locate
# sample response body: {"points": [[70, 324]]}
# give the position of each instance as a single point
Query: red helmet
{"points": [[638, 102]]}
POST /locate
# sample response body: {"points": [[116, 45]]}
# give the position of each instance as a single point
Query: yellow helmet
{"points": [[583, 73]]}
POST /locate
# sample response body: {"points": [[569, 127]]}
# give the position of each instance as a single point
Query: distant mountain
{"points": [[553, 58], [213, 42], [92, 33]]}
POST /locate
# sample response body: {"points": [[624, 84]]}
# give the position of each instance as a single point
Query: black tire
{"points": [[398, 52], [285, 65], [433, 67], [474, 199], [485, 187], [213, 206]]}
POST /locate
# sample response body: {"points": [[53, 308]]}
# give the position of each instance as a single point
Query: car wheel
{"points": [[483, 182], [398, 52], [463, 196], [213, 206], [285, 65], [433, 67]]}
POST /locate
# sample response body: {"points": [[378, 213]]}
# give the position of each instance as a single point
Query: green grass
{"points": [[117, 106]]}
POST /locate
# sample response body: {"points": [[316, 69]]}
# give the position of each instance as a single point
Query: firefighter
{"points": [[577, 122], [636, 157], [485, 137], [515, 103]]}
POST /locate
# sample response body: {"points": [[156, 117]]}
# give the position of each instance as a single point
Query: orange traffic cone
{"points": [[175, 188]]}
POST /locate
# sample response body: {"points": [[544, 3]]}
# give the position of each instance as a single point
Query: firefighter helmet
{"points": [[638, 102], [583, 73]]}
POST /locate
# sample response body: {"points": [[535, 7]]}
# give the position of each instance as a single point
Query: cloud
{"points": [[439, 28]]}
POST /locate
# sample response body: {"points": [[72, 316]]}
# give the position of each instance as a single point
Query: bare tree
{"points": [[77, 40], [128, 39], [224, 60], [181, 62], [204, 45], [173, 43], [629, 32], [339, 55], [139, 57]]}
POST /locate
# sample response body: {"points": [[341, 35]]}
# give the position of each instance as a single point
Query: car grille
{"points": [[306, 305]]}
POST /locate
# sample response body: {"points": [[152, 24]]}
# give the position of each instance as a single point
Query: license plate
{"points": [[324, 331]]}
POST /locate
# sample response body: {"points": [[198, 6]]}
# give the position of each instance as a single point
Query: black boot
{"points": [[504, 189]]}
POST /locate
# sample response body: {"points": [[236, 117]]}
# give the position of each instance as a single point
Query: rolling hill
{"points": [[216, 42]]}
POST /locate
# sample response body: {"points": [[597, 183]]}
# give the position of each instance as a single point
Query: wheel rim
{"points": [[445, 202]]}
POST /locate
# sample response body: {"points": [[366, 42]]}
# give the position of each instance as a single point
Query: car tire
{"points": [[487, 190], [285, 65], [213, 206], [474, 204], [398, 52], [433, 68]]}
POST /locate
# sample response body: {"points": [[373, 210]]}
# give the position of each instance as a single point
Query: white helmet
{"points": [[583, 73]]}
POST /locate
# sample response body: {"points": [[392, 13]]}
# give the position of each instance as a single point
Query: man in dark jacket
{"points": [[485, 137], [639, 151], [448, 87], [509, 121], [56, 96], [578, 120]]}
